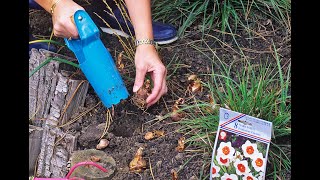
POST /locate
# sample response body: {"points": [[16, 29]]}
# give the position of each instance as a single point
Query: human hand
{"points": [[147, 60], [63, 25]]}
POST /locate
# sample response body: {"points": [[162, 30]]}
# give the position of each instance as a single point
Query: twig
{"points": [[108, 122], [151, 169], [165, 104], [78, 117], [60, 139]]}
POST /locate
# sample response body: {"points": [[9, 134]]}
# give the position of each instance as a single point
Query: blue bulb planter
{"points": [[96, 61]]}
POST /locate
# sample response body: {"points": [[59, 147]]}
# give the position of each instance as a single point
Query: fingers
{"points": [[164, 90], [66, 31], [159, 88], [139, 80], [147, 61], [72, 29], [64, 27]]}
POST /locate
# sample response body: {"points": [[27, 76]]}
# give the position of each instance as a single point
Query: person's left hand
{"points": [[147, 60]]}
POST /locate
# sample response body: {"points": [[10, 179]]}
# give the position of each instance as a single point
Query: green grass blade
{"points": [[50, 59]]}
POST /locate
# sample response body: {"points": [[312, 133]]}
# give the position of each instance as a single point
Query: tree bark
{"points": [[54, 96], [35, 136]]}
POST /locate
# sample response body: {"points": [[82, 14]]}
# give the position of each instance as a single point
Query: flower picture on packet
{"points": [[241, 147]]}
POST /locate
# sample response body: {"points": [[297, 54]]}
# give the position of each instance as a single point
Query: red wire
{"points": [[85, 163]]}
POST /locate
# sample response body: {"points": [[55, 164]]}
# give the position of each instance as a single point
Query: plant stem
{"points": [[55, 59]]}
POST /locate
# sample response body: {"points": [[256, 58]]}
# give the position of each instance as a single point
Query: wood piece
{"points": [[42, 85], [54, 96], [51, 90], [35, 136], [56, 148]]}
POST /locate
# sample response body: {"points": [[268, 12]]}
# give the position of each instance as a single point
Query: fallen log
{"points": [[35, 136], [55, 95]]}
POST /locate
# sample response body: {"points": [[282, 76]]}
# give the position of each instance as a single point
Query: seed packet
{"points": [[241, 147]]}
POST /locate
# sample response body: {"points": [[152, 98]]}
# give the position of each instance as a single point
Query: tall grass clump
{"points": [[219, 14], [259, 90]]}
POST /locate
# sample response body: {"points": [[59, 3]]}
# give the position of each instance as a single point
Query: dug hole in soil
{"points": [[129, 123]]}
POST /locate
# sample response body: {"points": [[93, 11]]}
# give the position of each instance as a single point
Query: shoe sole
{"points": [[168, 41], [114, 31], [123, 34]]}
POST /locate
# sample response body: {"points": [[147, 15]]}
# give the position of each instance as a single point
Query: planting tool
{"points": [[71, 170], [96, 61]]}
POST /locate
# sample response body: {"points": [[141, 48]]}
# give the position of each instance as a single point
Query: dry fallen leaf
{"points": [[175, 115], [138, 163], [174, 174], [149, 136], [158, 133], [192, 77], [119, 63], [139, 98], [213, 106], [211, 101], [154, 134], [181, 146], [194, 84]]}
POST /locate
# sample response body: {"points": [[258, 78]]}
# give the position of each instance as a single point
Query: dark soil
{"points": [[129, 125]]}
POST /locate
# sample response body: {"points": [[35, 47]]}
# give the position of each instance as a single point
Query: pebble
{"points": [[158, 164], [179, 156]]}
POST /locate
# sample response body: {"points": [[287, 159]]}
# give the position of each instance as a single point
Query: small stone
{"points": [[158, 164], [153, 150], [179, 156], [101, 126], [90, 135]]}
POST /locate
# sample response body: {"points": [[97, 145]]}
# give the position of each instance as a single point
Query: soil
{"points": [[129, 123]]}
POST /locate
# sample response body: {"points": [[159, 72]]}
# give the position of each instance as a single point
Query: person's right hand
{"points": [[147, 60], [63, 25]]}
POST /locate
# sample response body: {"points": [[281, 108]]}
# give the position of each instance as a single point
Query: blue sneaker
{"points": [[162, 33], [34, 5], [40, 45]]}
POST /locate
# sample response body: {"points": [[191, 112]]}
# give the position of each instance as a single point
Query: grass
{"points": [[261, 91], [216, 14], [52, 59], [48, 60], [46, 41]]}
